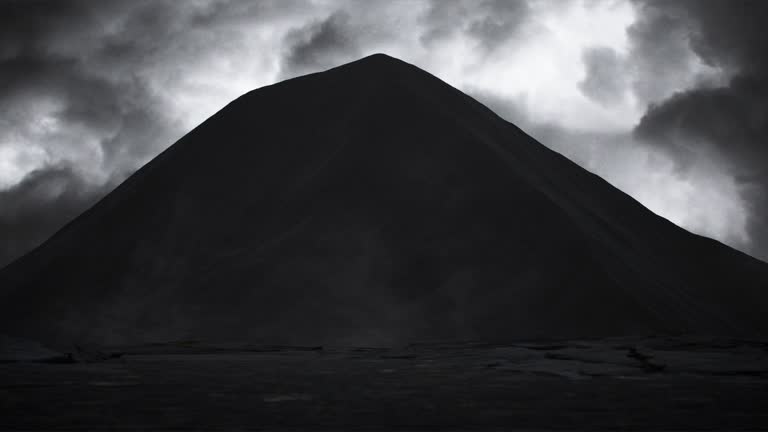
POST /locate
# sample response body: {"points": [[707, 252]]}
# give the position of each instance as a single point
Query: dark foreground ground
{"points": [[636, 384]]}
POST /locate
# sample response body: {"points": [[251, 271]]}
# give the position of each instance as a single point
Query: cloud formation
{"points": [[722, 125], [487, 23], [320, 45], [89, 91], [69, 128], [605, 81]]}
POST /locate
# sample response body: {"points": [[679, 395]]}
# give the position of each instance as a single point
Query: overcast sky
{"points": [[668, 100]]}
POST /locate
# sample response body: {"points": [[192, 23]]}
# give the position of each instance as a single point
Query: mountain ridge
{"points": [[399, 205]]}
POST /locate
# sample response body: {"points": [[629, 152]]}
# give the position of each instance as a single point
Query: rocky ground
{"points": [[637, 384]]}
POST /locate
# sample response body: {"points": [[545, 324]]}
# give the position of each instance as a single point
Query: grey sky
{"points": [[667, 100]]}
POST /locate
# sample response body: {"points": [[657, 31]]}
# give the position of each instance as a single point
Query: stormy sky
{"points": [[668, 100]]}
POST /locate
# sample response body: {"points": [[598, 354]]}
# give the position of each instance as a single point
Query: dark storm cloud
{"points": [[727, 124], [499, 21], [661, 54], [80, 55], [605, 76], [320, 45], [491, 23], [61, 53]]}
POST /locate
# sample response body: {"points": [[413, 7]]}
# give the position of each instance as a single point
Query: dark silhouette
{"points": [[372, 204]]}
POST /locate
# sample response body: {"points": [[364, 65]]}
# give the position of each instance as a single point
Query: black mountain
{"points": [[372, 203]]}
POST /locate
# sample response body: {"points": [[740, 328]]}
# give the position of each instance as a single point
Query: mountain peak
{"points": [[380, 64], [379, 59]]}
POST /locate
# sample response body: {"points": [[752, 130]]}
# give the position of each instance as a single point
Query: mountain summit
{"points": [[372, 203]]}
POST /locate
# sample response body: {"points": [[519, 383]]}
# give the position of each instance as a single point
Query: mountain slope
{"points": [[372, 203]]}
